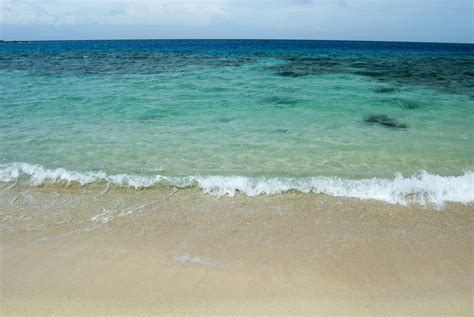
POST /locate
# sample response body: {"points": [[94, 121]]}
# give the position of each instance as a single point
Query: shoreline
{"points": [[422, 187], [86, 251]]}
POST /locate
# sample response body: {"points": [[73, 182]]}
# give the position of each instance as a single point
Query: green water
{"points": [[232, 120], [246, 114]]}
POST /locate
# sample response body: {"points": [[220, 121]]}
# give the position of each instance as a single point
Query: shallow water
{"points": [[288, 110]]}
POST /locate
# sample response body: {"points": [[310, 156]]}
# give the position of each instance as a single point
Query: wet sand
{"points": [[95, 252]]}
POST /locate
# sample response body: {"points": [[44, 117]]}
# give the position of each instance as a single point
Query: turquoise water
{"points": [[255, 109]]}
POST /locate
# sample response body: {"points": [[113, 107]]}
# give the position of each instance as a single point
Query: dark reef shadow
{"points": [[150, 117], [224, 120], [276, 100], [385, 121], [386, 90]]}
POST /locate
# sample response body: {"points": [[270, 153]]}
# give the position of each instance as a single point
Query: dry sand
{"points": [[81, 251]]}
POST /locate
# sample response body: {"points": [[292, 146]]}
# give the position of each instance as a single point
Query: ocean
{"points": [[369, 120]]}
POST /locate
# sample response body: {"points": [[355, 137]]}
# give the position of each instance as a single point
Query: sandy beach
{"points": [[87, 251]]}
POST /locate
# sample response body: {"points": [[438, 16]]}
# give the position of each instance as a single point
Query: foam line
{"points": [[421, 188]]}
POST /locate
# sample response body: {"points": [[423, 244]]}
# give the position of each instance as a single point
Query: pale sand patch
{"points": [[79, 251]]}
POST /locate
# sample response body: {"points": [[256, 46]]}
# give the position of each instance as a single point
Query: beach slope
{"points": [[85, 251]]}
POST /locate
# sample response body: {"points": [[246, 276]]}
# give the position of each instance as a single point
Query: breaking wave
{"points": [[421, 188]]}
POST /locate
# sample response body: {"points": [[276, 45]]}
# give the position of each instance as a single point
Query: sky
{"points": [[388, 20]]}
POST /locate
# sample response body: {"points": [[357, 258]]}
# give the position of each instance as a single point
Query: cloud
{"points": [[430, 20], [160, 12], [301, 2]]}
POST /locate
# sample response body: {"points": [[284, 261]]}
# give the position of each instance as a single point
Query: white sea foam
{"points": [[421, 188], [106, 215], [187, 258]]}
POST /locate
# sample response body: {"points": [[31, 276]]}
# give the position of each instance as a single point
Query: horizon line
{"points": [[233, 39]]}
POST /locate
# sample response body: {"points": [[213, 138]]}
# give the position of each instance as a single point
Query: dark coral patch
{"points": [[224, 120], [385, 90], [410, 105], [151, 117], [450, 73], [385, 121], [293, 74], [279, 101]]}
